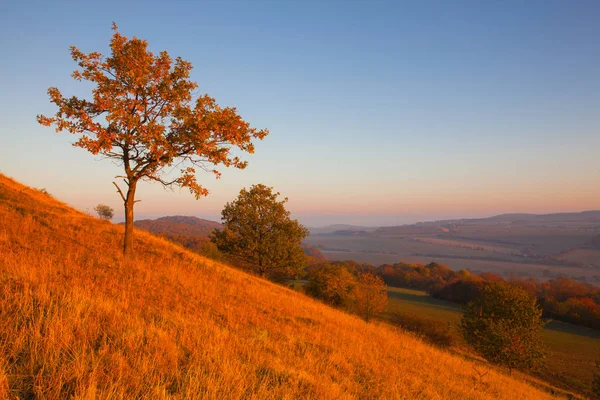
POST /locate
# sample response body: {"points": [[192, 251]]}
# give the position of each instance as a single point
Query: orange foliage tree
{"points": [[142, 114], [331, 283], [368, 296]]}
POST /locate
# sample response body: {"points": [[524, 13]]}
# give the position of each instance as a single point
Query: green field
{"points": [[573, 349], [420, 303]]}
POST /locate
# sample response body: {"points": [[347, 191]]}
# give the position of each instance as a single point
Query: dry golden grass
{"points": [[77, 320]]}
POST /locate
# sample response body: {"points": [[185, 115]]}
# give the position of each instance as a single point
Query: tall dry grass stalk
{"points": [[77, 320]]}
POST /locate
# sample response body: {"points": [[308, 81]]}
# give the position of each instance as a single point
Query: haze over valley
{"points": [[520, 245]]}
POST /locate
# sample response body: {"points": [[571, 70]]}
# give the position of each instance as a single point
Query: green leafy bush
{"points": [[505, 326]]}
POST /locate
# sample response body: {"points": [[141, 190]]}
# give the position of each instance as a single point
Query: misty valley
{"points": [[521, 245]]}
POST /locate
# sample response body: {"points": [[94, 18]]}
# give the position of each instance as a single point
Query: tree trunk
{"points": [[129, 202]]}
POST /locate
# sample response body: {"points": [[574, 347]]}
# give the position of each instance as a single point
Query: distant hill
{"points": [[566, 243], [452, 225], [190, 232], [584, 216], [179, 225]]}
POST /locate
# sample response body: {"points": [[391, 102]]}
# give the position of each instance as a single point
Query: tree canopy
{"points": [[142, 114], [331, 283], [368, 296], [259, 231], [504, 324]]}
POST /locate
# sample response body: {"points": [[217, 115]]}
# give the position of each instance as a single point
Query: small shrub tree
{"points": [[259, 231], [368, 296], [44, 191], [104, 212], [331, 283], [505, 326]]}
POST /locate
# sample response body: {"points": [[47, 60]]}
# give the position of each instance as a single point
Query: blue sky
{"points": [[380, 112]]}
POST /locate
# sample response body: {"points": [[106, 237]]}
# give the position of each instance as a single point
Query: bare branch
{"points": [[119, 191]]}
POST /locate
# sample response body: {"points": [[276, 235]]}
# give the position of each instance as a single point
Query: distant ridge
{"points": [[554, 217], [592, 216], [448, 225], [339, 227]]}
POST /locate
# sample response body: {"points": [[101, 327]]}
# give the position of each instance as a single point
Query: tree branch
{"points": [[161, 181], [119, 191]]}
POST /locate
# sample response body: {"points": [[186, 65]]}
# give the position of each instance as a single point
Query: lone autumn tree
{"points": [[258, 231], [142, 114], [504, 325]]}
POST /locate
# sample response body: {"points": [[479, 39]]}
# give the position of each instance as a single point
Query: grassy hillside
{"points": [[77, 320]]}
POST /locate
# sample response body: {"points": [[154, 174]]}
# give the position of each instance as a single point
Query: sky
{"points": [[379, 112]]}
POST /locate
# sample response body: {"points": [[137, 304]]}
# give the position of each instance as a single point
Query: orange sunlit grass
{"points": [[77, 319]]}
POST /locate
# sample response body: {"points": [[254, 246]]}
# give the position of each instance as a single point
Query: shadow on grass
{"points": [[423, 298], [565, 327]]}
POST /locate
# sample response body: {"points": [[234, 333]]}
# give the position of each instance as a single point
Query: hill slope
{"points": [[76, 319]]}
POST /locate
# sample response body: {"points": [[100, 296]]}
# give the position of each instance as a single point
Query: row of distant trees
{"points": [[561, 298]]}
